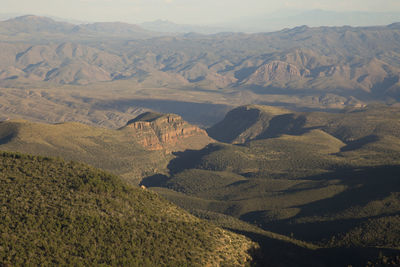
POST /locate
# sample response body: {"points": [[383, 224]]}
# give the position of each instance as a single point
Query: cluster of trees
{"points": [[64, 213]]}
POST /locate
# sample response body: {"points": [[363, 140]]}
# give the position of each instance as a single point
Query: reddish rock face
{"points": [[167, 131]]}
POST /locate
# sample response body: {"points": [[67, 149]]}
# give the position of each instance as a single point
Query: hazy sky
{"points": [[182, 11]]}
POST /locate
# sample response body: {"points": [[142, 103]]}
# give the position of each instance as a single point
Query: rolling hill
{"points": [[326, 178], [306, 186], [132, 152], [307, 165], [65, 213]]}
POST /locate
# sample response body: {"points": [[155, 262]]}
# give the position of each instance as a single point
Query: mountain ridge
{"points": [[352, 62]]}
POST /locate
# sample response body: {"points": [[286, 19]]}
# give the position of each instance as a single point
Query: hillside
{"points": [[354, 126], [312, 188], [126, 152], [355, 64], [325, 178], [103, 73], [301, 154], [65, 213], [244, 123]]}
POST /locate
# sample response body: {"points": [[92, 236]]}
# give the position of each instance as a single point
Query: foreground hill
{"points": [[137, 150], [59, 213], [313, 189]]}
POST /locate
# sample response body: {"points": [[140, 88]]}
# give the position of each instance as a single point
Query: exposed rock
{"points": [[157, 131], [278, 71]]}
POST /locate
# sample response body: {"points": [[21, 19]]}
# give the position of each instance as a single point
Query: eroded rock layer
{"points": [[167, 131]]}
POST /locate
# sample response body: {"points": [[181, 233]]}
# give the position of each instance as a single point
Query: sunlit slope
{"points": [[65, 213], [113, 150], [135, 151]]}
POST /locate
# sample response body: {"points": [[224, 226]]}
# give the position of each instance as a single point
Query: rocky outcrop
{"points": [[167, 131], [277, 71]]}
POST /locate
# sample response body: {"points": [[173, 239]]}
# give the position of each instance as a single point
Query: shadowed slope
{"points": [[327, 178]]}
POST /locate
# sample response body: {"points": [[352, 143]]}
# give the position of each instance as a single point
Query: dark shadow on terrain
{"points": [[6, 139], [271, 90], [387, 83], [244, 73], [189, 159], [239, 120], [157, 180], [310, 232], [198, 113], [297, 108], [364, 185], [359, 143], [284, 124], [275, 252]]}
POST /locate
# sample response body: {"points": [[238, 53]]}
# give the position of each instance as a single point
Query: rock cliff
{"points": [[157, 131]]}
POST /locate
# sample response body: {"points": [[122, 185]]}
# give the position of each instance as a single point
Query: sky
{"points": [[201, 12]]}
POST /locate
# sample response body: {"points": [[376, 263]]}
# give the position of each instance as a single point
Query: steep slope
{"points": [[244, 123], [167, 131], [54, 212]]}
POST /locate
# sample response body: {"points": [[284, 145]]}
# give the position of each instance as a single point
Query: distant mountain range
{"points": [[353, 62], [267, 22], [52, 29], [171, 27], [312, 18]]}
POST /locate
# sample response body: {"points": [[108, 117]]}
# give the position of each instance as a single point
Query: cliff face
{"points": [[167, 131]]}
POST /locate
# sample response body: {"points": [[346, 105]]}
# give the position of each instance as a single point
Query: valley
{"points": [[319, 68], [313, 181], [187, 149]]}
